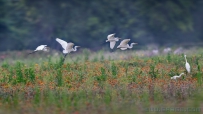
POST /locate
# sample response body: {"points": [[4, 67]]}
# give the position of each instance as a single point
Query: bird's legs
{"points": [[111, 51], [64, 57], [32, 52]]}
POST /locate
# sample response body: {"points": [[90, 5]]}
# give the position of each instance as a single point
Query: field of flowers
{"points": [[132, 84]]}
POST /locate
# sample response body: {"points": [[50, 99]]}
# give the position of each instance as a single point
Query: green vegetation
{"points": [[84, 85], [25, 24]]}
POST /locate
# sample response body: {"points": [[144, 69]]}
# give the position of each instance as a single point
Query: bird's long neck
{"points": [[131, 45], [185, 59], [75, 48], [180, 75]]}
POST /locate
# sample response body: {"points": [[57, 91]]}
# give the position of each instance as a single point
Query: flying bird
{"points": [[174, 77], [187, 65], [40, 48], [124, 44], [112, 39], [68, 47]]}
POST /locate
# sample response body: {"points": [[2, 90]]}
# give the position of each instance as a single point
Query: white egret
{"points": [[174, 77], [112, 40], [40, 48], [68, 47], [187, 65], [124, 44]]}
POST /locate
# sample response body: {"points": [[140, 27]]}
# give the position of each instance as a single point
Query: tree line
{"points": [[24, 24]]}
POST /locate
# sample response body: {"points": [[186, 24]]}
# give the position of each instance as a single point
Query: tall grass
{"points": [[101, 85]]}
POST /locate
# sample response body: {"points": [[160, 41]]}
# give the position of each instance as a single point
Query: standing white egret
{"points": [[124, 44], [112, 40], [174, 77], [187, 65], [40, 48], [68, 47]]}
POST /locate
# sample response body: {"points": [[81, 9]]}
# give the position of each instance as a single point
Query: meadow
{"points": [[102, 82]]}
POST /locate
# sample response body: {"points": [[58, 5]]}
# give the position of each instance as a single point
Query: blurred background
{"points": [[25, 24]]}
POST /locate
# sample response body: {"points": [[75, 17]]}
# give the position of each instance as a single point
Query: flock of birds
{"points": [[123, 45], [68, 48]]}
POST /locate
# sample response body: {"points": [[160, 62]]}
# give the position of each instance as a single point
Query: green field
{"points": [[100, 82]]}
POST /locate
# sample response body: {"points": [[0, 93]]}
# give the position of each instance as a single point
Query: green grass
{"points": [[96, 84]]}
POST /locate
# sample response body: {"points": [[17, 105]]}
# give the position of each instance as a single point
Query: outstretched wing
{"points": [[110, 36], [62, 42], [112, 44], [124, 42]]}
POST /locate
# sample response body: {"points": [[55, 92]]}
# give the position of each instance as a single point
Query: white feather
{"points": [[68, 47], [110, 36], [41, 48], [175, 77], [124, 44], [123, 48], [112, 44], [63, 43], [187, 66]]}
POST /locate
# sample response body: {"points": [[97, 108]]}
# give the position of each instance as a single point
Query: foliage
{"points": [[85, 86], [28, 23]]}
